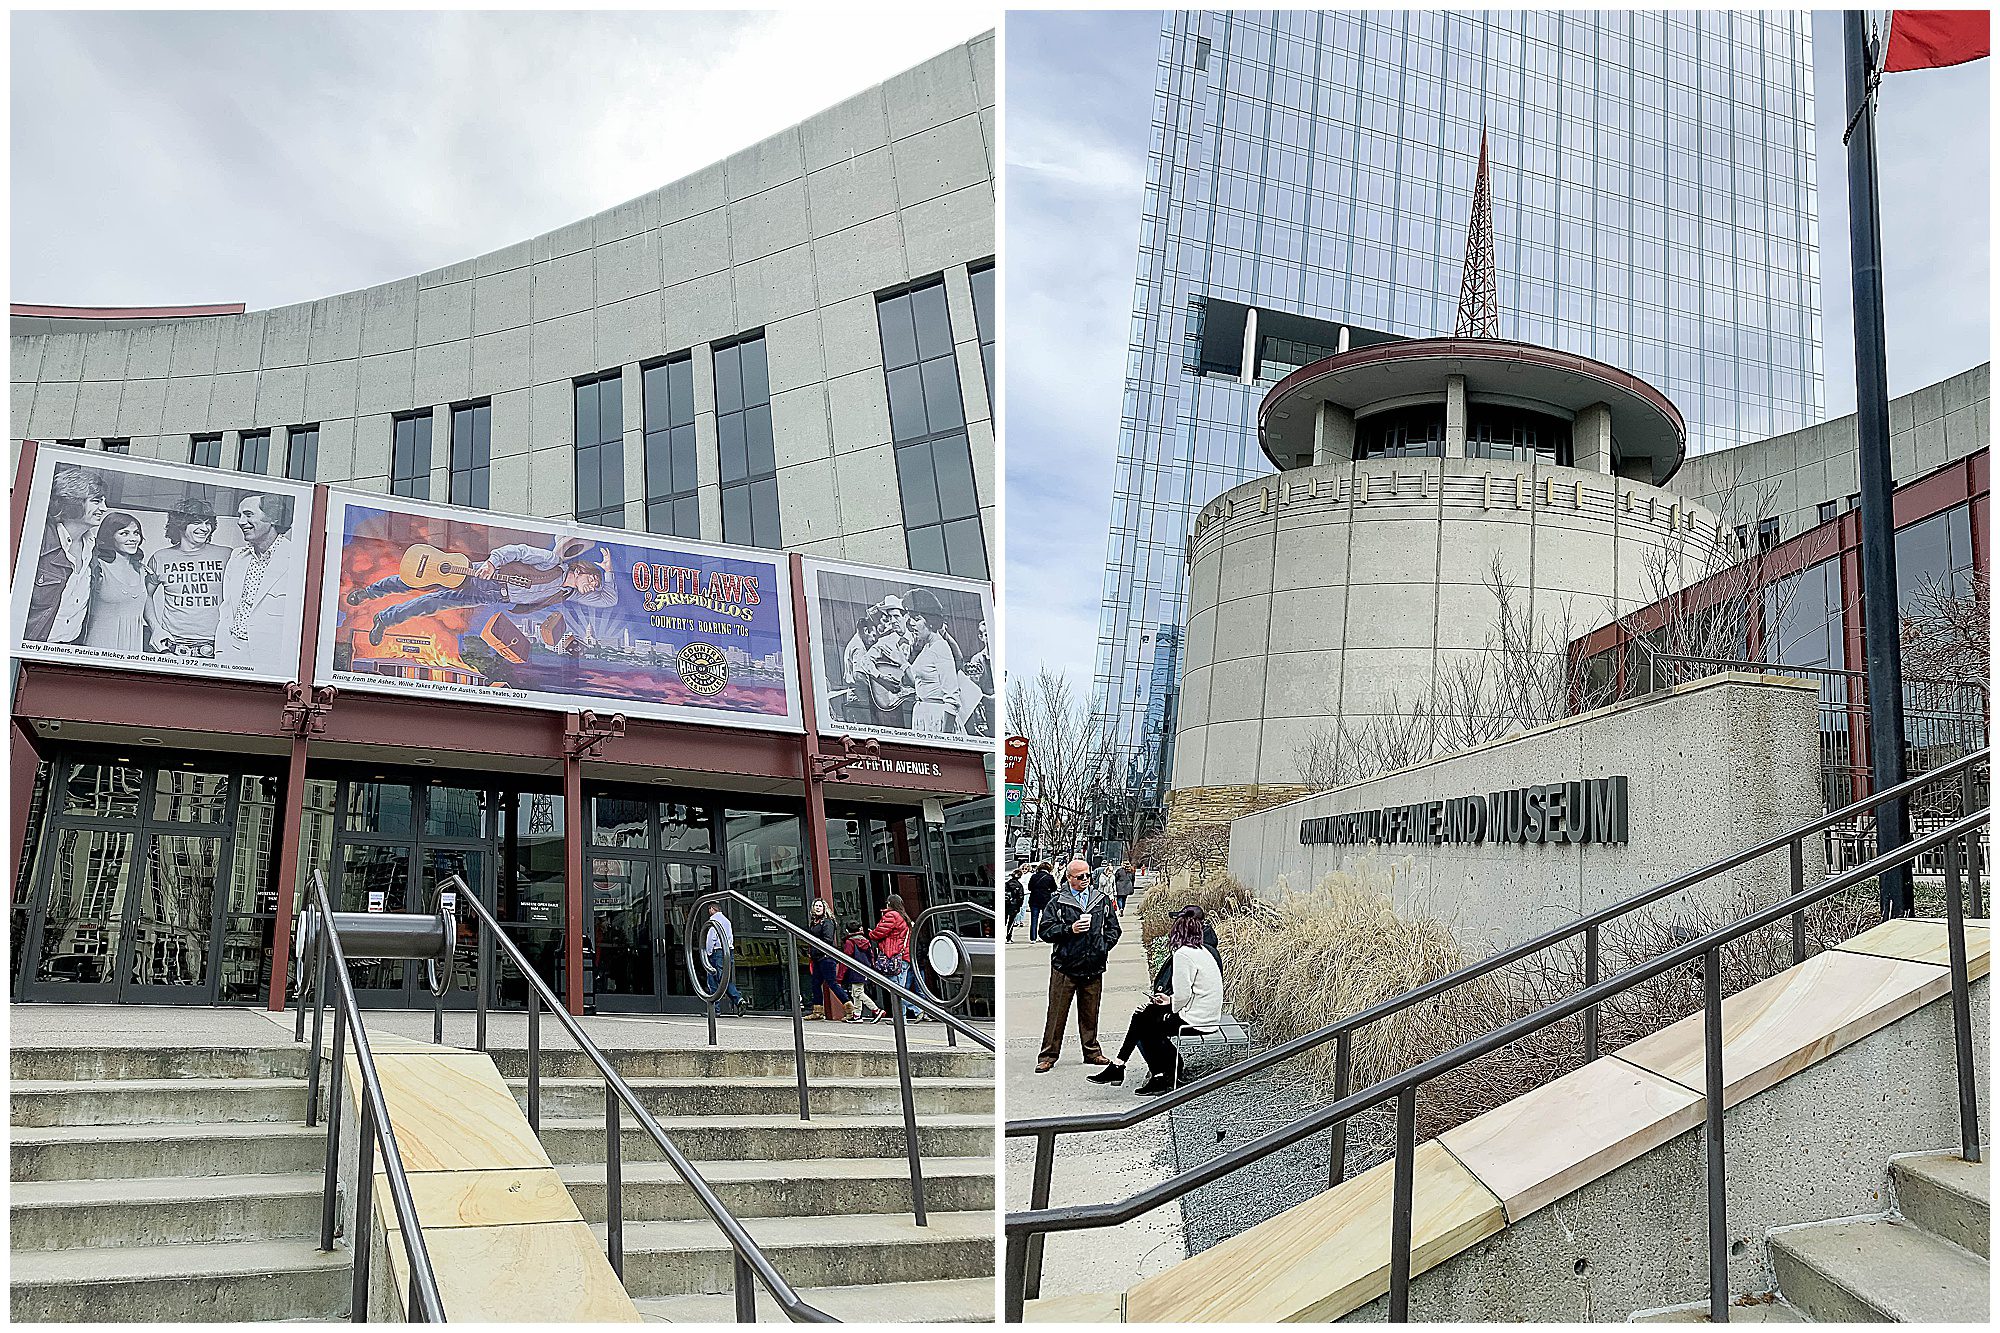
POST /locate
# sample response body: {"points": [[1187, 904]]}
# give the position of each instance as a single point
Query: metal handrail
{"points": [[749, 1258], [423, 1304], [723, 979], [1024, 1230]]}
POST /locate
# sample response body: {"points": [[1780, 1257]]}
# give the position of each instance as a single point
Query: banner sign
{"points": [[1013, 800], [902, 656], [128, 562], [1017, 759], [1593, 810], [424, 599]]}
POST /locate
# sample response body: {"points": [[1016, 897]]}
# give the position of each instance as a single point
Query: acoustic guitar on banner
{"points": [[425, 566]]}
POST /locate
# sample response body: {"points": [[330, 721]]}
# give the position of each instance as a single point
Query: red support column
{"points": [[576, 832], [291, 821], [816, 840], [24, 759]]}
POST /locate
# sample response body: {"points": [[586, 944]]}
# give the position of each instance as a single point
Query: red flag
{"points": [[1934, 38]]}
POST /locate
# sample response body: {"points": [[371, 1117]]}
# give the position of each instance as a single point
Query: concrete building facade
{"points": [[782, 261]]}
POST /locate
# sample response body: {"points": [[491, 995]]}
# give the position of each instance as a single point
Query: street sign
{"points": [[1017, 760], [1013, 800]]}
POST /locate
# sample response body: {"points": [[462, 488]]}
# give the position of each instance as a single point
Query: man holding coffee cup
{"points": [[1082, 923]]}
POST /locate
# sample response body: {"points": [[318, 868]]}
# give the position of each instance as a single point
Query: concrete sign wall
{"points": [[1518, 836]]}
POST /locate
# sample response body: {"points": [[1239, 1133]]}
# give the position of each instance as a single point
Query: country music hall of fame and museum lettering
{"points": [[555, 615]]}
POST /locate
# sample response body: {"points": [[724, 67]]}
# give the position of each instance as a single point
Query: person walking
{"points": [[1017, 893], [1082, 926], [717, 943], [892, 936], [1122, 884], [1190, 1002], [1041, 890], [826, 967]]}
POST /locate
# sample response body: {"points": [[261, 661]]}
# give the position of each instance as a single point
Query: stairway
{"points": [[155, 1184], [1924, 1262], [827, 1198]]}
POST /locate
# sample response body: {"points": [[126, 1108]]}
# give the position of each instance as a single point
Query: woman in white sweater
{"points": [[1195, 1005]]}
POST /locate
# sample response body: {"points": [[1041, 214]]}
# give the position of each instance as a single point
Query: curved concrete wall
{"points": [[1339, 591], [794, 236]]}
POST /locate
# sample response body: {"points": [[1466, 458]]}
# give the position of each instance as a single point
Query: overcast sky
{"points": [[1079, 96], [167, 158]]}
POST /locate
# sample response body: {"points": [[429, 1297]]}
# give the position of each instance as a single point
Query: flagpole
{"points": [[1880, 621]]}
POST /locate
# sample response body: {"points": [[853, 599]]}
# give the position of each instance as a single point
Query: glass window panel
{"points": [[933, 324], [942, 402], [927, 549], [731, 448], [728, 381], [183, 796], [686, 828], [965, 549], [756, 377], [918, 483], [380, 807], [764, 513], [736, 526], [454, 812], [176, 911], [86, 905], [899, 332], [952, 459], [757, 438], [108, 790], [907, 420]]}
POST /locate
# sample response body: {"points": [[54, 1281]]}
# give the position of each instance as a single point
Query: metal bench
{"points": [[1212, 1049]]}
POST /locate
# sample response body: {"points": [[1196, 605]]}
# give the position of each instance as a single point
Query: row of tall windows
{"points": [[253, 451], [927, 423], [470, 458]]}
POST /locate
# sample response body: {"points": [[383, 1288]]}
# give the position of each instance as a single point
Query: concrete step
{"points": [[691, 1257], [1879, 1270], [110, 1152], [766, 1096], [955, 1301], [238, 1282], [966, 1062], [78, 1063], [654, 1192], [170, 1210], [771, 1138], [40, 1103], [1946, 1196]]}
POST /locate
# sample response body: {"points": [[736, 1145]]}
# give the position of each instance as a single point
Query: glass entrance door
{"points": [[136, 865]]}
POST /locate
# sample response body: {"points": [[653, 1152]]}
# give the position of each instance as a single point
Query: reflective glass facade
{"points": [[1654, 206]]}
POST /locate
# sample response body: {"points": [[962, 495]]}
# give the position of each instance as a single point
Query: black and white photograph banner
{"points": [[901, 656]]}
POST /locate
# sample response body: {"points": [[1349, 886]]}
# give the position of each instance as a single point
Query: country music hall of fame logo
{"points": [[703, 668]]}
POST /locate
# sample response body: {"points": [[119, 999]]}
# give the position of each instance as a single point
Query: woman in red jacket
{"points": [[892, 936]]}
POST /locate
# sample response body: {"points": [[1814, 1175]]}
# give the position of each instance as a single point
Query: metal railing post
{"points": [[798, 1024], [479, 1022], [1590, 968], [1015, 1293], [1798, 857], [1961, 1003], [333, 1085], [1343, 1056], [614, 1185], [746, 1293], [1038, 1199], [364, 1222], [535, 1061], [437, 1019], [319, 1023], [1975, 891], [1402, 1205], [909, 1111], [1713, 1091]]}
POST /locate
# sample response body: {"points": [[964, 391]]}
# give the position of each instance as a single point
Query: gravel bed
{"points": [[1233, 1115]]}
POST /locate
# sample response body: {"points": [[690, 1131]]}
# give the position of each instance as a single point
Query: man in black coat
{"points": [[1017, 892], [1082, 923], [1041, 887]]}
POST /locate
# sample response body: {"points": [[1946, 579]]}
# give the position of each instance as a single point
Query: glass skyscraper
{"points": [[1654, 206]]}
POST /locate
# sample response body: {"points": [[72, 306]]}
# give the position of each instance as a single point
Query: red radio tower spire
{"points": [[1478, 297]]}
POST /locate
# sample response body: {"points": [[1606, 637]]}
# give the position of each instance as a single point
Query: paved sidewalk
{"points": [[1090, 1168]]}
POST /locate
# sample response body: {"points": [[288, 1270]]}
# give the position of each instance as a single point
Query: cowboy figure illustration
{"points": [[521, 580]]}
